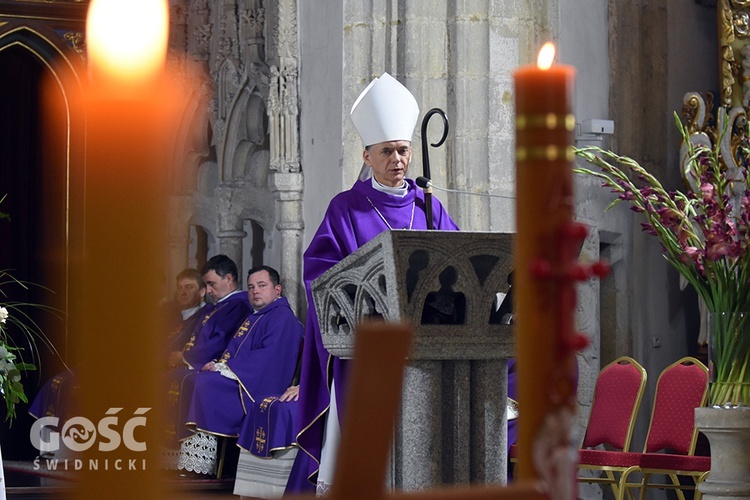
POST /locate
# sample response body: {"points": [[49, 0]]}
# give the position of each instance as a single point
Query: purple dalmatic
{"points": [[353, 218], [216, 329], [262, 356]]}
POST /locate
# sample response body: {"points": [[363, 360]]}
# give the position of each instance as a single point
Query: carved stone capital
{"points": [[286, 182]]}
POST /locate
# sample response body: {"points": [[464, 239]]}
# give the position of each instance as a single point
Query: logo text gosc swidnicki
{"points": [[79, 433]]}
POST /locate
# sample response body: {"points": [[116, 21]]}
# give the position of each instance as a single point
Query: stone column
{"points": [[457, 432], [176, 259], [179, 239], [418, 457], [231, 231], [287, 189], [230, 244], [488, 423]]}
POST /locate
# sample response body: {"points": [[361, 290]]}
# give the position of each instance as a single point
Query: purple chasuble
{"points": [[353, 218], [513, 394], [183, 331], [215, 329], [56, 397], [262, 355]]}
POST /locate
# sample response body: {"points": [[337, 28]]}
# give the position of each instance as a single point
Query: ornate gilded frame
{"points": [[734, 52], [726, 124]]}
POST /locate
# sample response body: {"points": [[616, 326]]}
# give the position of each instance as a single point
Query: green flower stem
{"points": [[730, 354]]}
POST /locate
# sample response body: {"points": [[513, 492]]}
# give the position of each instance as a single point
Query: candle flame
{"points": [[546, 56], [126, 40]]}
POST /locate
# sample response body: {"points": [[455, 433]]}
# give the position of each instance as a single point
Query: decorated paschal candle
{"points": [[546, 248]]}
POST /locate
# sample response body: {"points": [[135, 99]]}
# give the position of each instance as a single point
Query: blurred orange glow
{"points": [[127, 39], [546, 56]]}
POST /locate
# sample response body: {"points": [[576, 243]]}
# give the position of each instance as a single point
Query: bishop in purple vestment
{"points": [[385, 115]]}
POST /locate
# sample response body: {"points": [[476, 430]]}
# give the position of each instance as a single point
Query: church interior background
{"points": [[265, 141]]}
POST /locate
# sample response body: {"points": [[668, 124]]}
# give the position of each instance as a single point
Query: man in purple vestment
{"points": [[385, 115], [209, 337], [230, 308], [189, 301], [260, 359]]}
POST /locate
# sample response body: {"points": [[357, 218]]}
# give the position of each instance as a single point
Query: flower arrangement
{"points": [[13, 316], [10, 369], [705, 235]]}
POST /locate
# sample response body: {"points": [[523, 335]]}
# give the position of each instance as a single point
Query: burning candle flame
{"points": [[546, 56], [127, 39]]}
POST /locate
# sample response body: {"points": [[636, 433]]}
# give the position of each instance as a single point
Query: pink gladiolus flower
{"points": [[668, 216], [692, 251], [707, 190], [703, 231], [691, 255], [648, 228], [717, 250]]}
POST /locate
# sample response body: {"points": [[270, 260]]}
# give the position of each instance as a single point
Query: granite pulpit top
{"points": [[445, 284]]}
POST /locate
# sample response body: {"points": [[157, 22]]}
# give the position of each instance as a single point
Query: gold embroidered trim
{"points": [[260, 439]]}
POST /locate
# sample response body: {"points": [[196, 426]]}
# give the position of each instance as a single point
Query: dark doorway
{"points": [[33, 243]]}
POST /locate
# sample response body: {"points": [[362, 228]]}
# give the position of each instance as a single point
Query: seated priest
{"points": [[56, 397], [260, 359], [189, 301], [214, 326], [220, 321]]}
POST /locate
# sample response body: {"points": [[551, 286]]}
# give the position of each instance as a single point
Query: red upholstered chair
{"points": [[671, 438], [682, 387], [617, 398]]}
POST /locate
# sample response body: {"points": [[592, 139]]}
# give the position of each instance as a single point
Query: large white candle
{"points": [[119, 275]]}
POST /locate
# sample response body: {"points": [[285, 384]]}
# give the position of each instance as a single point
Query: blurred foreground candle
{"points": [[546, 250], [119, 275]]}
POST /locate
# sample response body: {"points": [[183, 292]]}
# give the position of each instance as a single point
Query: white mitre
{"points": [[385, 111]]}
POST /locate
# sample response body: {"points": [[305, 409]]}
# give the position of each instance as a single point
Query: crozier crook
{"points": [[426, 158]]}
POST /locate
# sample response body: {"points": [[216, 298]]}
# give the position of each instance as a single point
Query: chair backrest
{"points": [[682, 387], [617, 398]]}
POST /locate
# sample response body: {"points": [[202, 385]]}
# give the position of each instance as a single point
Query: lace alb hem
{"points": [[322, 489], [198, 454]]}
